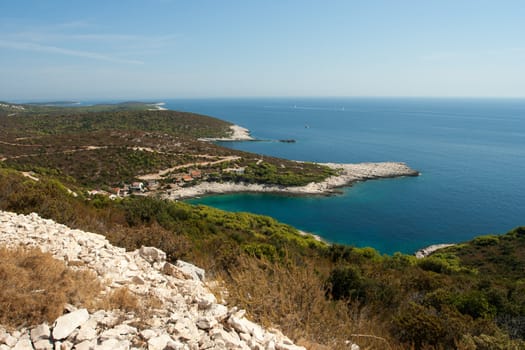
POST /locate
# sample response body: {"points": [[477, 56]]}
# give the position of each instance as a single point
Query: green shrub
{"points": [[486, 240], [474, 304], [346, 283]]}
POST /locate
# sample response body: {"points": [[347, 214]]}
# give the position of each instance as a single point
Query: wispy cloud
{"points": [[40, 36], [65, 38], [31, 46]]}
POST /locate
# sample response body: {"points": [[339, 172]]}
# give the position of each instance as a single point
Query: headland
{"points": [[237, 133], [347, 175]]}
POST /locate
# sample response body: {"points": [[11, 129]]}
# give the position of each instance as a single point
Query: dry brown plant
{"points": [[121, 299], [35, 287], [291, 297]]}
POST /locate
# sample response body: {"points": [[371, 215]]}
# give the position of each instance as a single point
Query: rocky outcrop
{"points": [[236, 133], [190, 317], [423, 253], [347, 175]]}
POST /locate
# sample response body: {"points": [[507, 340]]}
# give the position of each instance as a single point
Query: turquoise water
{"points": [[471, 153]]}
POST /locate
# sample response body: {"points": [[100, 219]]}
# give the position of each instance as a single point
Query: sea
{"points": [[470, 152]]}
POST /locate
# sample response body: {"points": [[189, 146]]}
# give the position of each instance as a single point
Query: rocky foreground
{"points": [[348, 174], [190, 317]]}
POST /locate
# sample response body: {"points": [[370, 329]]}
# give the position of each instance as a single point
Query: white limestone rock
{"points": [[66, 324], [248, 327], [147, 334], [152, 254], [176, 345], [190, 317], [24, 343], [43, 344], [159, 343], [217, 311], [230, 340], [113, 344], [40, 332], [86, 345], [205, 300], [206, 322], [195, 272], [8, 340], [282, 346], [86, 332], [185, 329]]}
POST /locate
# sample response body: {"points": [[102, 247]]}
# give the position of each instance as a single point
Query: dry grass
{"points": [[143, 306], [36, 287], [121, 299], [292, 297]]}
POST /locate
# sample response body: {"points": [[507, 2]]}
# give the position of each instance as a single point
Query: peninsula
{"points": [[132, 149], [346, 175]]}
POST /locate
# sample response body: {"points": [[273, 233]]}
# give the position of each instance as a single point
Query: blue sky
{"points": [[158, 49]]}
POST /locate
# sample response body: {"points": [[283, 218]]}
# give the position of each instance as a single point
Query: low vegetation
{"points": [[69, 107], [106, 149], [470, 296], [318, 293]]}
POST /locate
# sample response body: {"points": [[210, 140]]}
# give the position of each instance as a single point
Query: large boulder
{"points": [[189, 269], [66, 324], [152, 254]]}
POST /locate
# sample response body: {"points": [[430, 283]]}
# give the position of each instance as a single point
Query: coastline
{"points": [[348, 174], [158, 106], [423, 253], [237, 133]]}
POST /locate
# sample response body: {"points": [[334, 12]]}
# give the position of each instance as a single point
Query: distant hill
{"points": [[61, 107]]}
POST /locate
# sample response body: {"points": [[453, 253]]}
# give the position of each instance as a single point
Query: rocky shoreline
{"points": [[348, 174], [237, 133], [423, 253], [190, 318]]}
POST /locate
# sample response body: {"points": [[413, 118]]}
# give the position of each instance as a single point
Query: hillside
{"points": [[138, 300], [69, 107], [109, 148], [322, 296]]}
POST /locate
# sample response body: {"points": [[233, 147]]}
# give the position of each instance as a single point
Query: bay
{"points": [[471, 153]]}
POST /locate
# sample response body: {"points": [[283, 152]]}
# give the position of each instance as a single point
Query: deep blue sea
{"points": [[471, 153]]}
